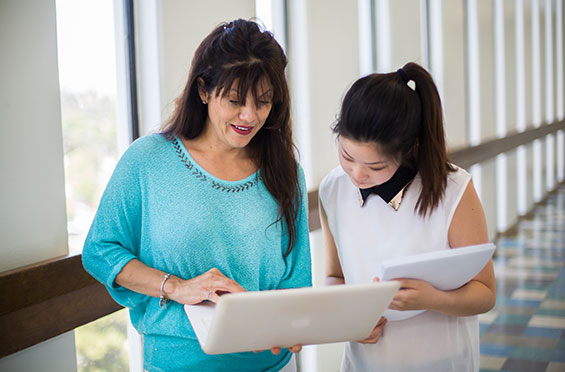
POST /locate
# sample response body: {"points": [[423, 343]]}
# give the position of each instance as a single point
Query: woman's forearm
{"points": [[138, 277], [473, 298], [141, 278], [334, 280]]}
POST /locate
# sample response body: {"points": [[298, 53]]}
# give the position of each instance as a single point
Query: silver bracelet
{"points": [[163, 300]]}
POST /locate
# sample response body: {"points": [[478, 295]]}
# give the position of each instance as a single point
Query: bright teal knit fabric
{"points": [[162, 208]]}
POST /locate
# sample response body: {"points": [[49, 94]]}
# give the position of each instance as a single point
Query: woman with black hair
{"points": [[396, 194], [214, 203]]}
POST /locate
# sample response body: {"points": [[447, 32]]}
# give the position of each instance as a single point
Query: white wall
{"points": [[53, 355], [486, 68], [511, 113], [549, 84], [537, 68], [323, 42], [452, 65], [168, 33], [406, 33], [32, 194], [487, 103]]}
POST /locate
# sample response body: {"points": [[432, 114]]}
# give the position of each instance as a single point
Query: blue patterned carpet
{"points": [[526, 329]]}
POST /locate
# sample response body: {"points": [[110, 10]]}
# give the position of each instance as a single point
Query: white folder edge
{"points": [[445, 269]]}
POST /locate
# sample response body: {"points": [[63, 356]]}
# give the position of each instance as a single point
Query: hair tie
{"points": [[411, 83], [228, 26]]}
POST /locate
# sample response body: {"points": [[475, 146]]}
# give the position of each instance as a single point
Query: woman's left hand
{"points": [[414, 295], [295, 349]]}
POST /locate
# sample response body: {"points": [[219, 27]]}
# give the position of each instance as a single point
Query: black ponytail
{"points": [[431, 156]]}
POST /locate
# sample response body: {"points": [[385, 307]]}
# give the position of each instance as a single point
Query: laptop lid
{"points": [[261, 320]]}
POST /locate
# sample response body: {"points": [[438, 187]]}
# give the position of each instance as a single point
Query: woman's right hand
{"points": [[208, 286]]}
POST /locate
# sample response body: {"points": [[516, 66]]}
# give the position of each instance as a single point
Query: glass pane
{"points": [[102, 345], [87, 74]]}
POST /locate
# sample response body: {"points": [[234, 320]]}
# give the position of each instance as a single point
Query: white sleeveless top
{"points": [[364, 237]]}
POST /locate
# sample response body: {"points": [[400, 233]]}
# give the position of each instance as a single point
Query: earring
{"points": [[204, 102]]}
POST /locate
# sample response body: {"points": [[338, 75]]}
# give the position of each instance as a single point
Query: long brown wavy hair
{"points": [[406, 124], [239, 55]]}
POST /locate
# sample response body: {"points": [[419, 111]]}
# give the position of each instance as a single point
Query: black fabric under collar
{"points": [[391, 188]]}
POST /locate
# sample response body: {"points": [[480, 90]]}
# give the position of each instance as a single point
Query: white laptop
{"points": [[447, 269], [261, 320]]}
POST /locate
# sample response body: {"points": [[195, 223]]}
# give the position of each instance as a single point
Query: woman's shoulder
{"points": [[335, 177], [149, 142], [457, 182], [145, 148], [144, 153], [459, 177]]}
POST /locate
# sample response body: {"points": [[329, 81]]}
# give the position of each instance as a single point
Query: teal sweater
{"points": [[162, 208]]}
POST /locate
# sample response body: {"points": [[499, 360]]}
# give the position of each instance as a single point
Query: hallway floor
{"points": [[526, 329]]}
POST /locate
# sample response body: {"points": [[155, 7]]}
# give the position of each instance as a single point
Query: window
{"points": [[87, 76]]}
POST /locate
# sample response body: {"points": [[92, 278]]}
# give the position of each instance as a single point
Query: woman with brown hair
{"points": [[396, 194], [214, 203]]}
